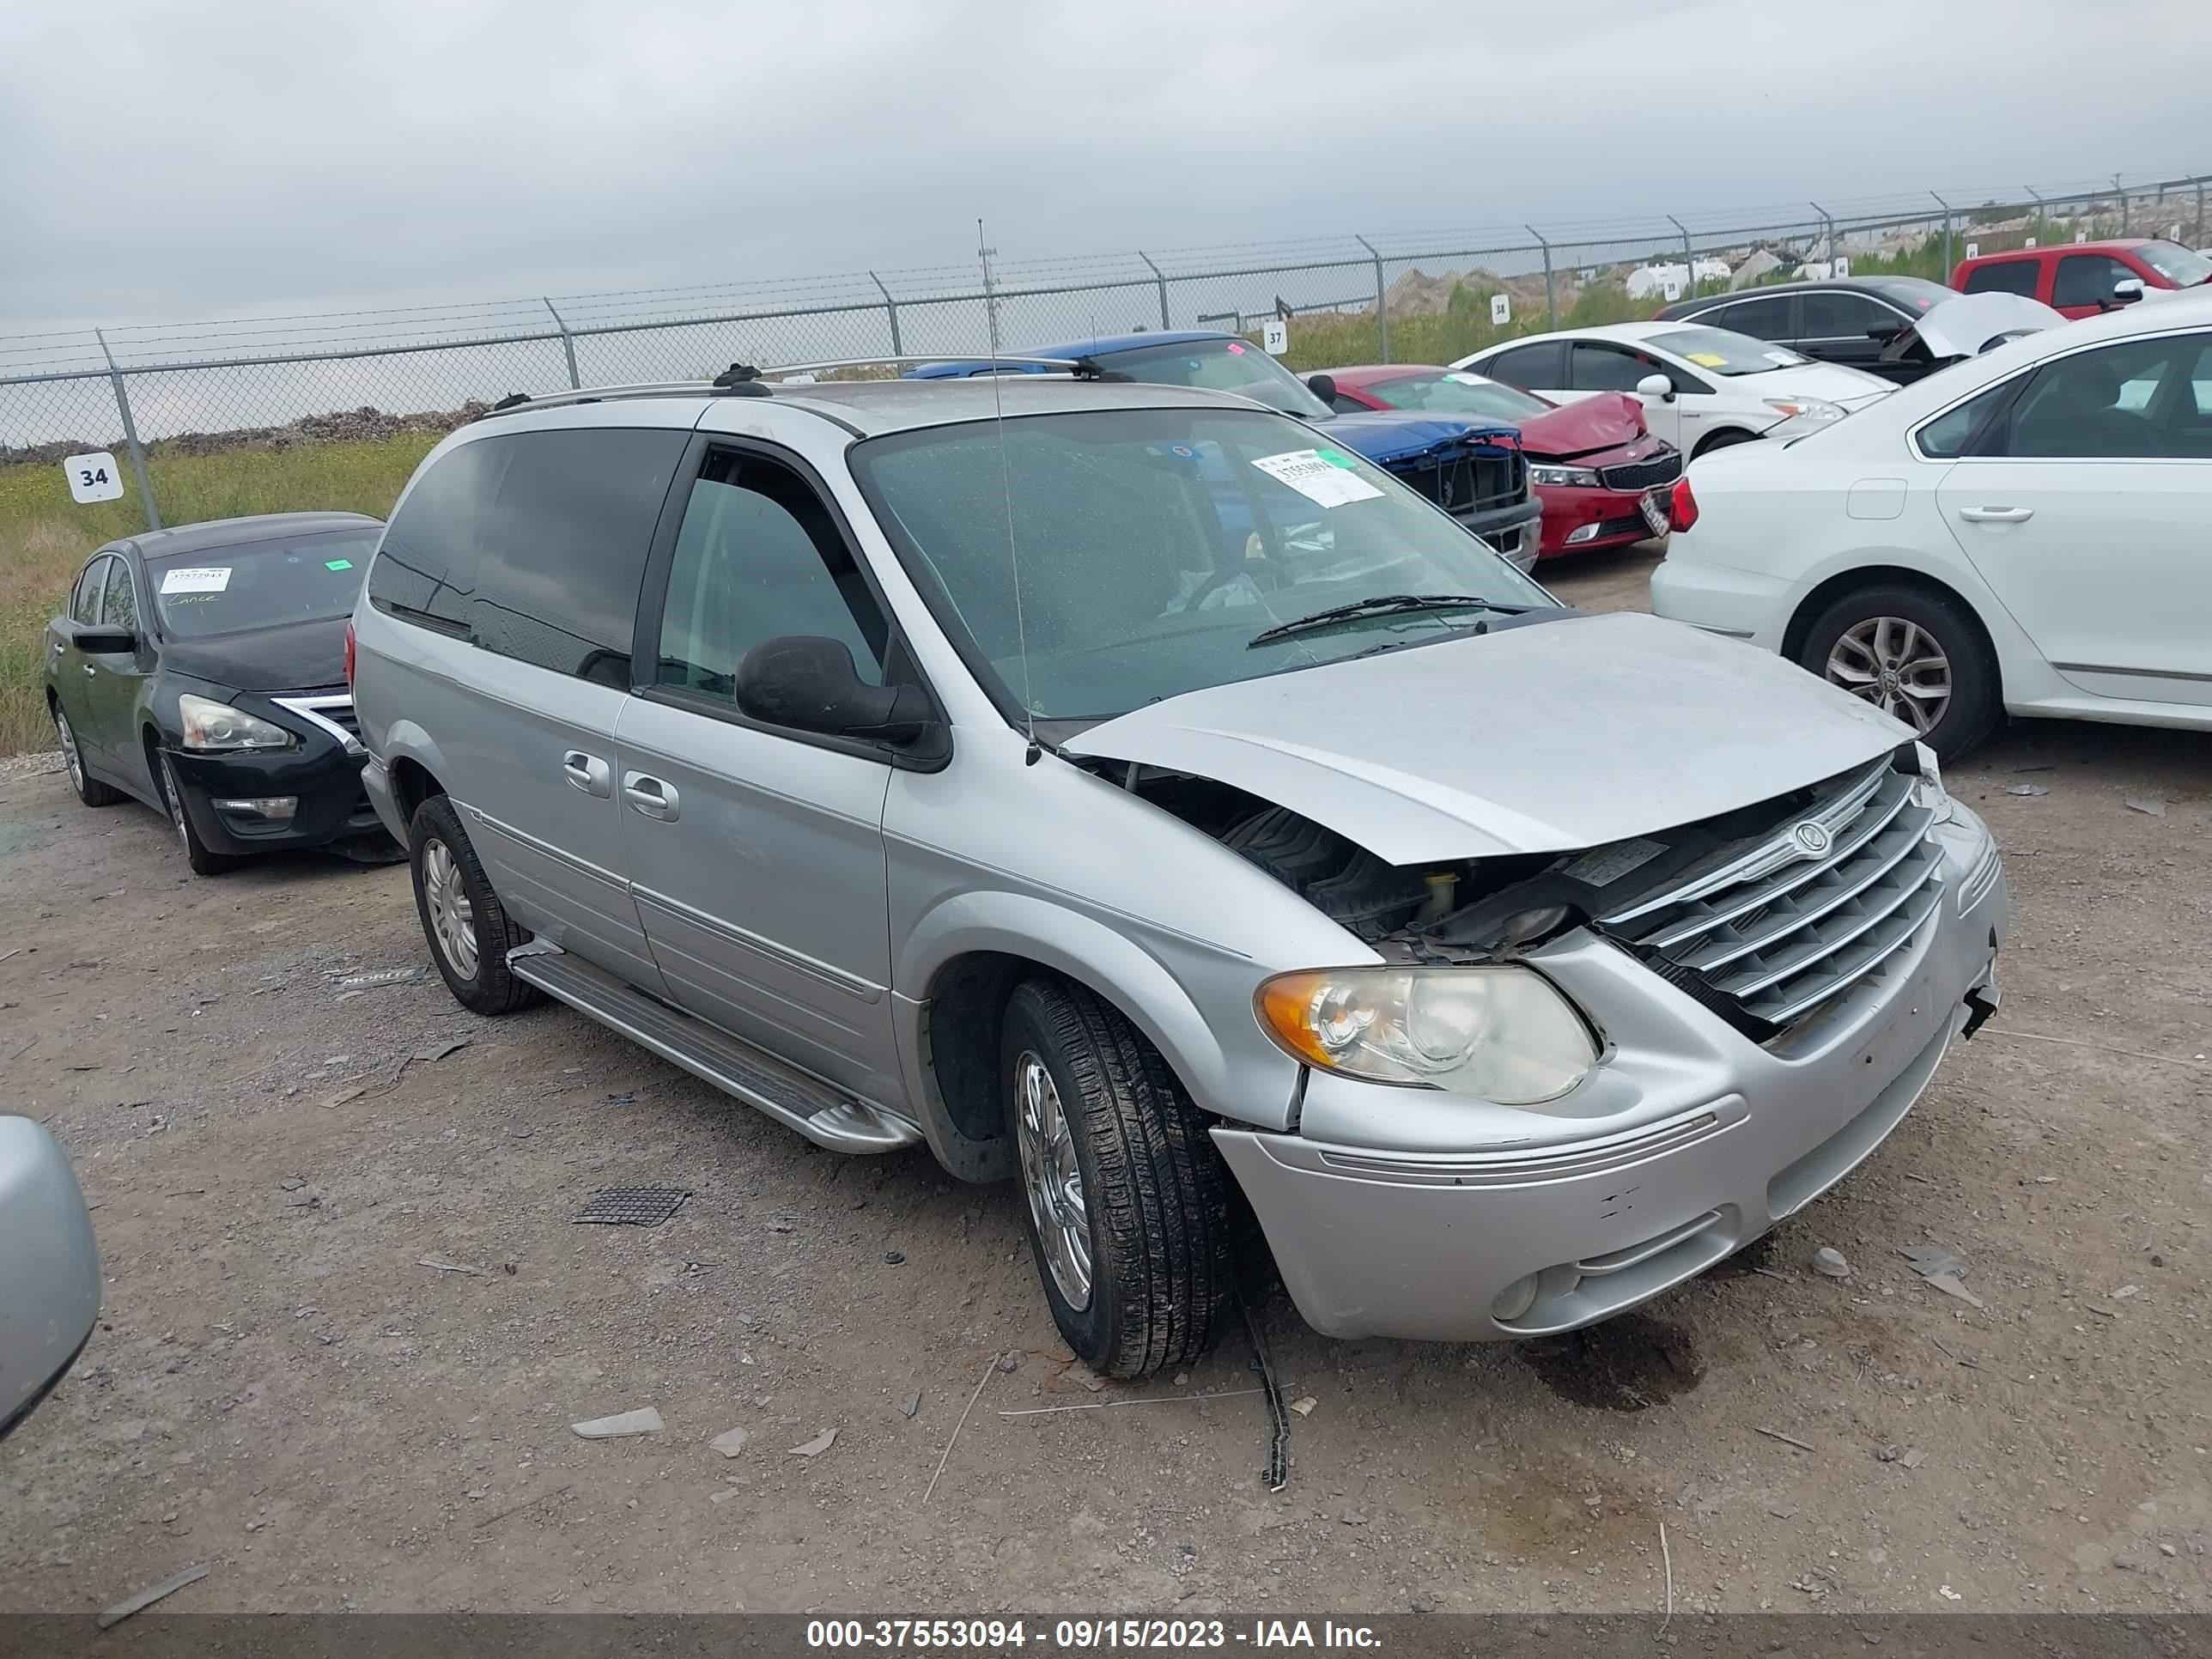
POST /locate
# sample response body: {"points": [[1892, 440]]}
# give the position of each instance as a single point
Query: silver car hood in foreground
{"points": [[1539, 738]]}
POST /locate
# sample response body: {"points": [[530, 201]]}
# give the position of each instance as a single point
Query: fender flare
{"points": [[1085, 951]]}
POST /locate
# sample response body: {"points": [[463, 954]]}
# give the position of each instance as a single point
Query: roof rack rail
{"points": [[744, 380]]}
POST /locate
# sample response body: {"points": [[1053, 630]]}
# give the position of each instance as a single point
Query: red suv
{"points": [[2078, 279]]}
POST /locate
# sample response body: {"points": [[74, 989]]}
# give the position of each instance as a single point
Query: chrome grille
{"points": [[1663, 468], [1781, 929], [334, 714]]}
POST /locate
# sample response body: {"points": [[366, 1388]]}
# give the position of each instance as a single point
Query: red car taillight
{"points": [[349, 656], [1682, 514]]}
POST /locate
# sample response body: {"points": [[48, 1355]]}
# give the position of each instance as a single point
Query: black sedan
{"points": [[1848, 319], [202, 670]]}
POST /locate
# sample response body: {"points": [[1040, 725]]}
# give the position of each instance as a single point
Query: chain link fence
{"points": [[167, 393]]}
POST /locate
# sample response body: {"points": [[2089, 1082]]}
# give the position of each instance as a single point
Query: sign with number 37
{"points": [[94, 477]]}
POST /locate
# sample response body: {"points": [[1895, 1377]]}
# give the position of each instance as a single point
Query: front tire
{"points": [[470, 933], [1917, 656], [90, 790], [203, 862], [1126, 1202]]}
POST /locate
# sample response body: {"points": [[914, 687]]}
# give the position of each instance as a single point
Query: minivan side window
{"points": [[425, 569], [564, 546], [2004, 277], [84, 602], [759, 556]]}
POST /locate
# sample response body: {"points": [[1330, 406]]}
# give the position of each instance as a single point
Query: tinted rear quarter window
{"points": [[564, 546], [1767, 317], [1529, 366], [533, 544], [2004, 277]]}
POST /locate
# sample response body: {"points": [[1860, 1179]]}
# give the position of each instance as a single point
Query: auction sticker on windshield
{"points": [[196, 579], [1320, 480]]}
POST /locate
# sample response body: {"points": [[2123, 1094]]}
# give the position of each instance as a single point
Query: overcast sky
{"points": [[185, 161]]}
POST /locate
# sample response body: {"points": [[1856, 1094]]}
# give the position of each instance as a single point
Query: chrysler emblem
{"points": [[1812, 840]]}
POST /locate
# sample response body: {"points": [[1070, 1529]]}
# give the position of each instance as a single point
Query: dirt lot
{"points": [[284, 1389]]}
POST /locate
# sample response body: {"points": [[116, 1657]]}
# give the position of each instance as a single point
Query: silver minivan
{"points": [[1119, 789]]}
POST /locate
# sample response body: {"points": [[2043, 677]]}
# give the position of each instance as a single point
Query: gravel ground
{"points": [[349, 1318]]}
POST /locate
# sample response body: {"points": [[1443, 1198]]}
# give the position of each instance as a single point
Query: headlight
{"points": [[211, 725], [1806, 409], [1499, 1034], [1579, 476]]}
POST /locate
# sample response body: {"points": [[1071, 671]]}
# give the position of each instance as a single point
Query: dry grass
{"points": [[45, 536]]}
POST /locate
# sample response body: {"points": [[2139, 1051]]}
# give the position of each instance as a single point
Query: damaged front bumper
{"points": [[1408, 1214]]}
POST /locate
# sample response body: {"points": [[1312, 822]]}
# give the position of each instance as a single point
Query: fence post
{"points": [[567, 344], [2199, 237], [1382, 301], [2122, 195], [1161, 282], [1551, 300], [130, 433], [1947, 260], [890, 310], [2030, 188]]}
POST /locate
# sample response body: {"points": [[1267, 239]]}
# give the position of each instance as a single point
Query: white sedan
{"points": [[2022, 531], [1702, 388]]}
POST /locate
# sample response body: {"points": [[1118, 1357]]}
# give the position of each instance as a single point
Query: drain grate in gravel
{"points": [[633, 1206]]}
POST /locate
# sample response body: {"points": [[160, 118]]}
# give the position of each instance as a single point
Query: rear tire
{"points": [[1127, 1207], [90, 790], [1894, 645], [470, 933], [203, 862]]}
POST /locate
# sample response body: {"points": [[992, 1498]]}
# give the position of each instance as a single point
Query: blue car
{"points": [[1471, 467]]}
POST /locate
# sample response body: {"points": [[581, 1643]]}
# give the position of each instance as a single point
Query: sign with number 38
{"points": [[94, 477]]}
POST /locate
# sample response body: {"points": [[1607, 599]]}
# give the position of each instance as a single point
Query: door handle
{"points": [[90, 671], [588, 773], [650, 796], [1997, 515]]}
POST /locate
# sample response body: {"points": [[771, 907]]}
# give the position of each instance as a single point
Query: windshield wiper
{"points": [[1383, 604]]}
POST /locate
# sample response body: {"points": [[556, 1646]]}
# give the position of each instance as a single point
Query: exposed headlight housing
{"points": [[1928, 788], [1809, 409], [1503, 1034], [1580, 478], [209, 725]]}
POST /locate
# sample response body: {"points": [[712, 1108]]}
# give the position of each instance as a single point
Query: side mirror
{"points": [[1322, 387], [106, 639], [1885, 332], [1657, 386], [2127, 291], [50, 1295], [808, 683]]}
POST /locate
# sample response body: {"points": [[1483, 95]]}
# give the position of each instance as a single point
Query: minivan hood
{"points": [[1533, 740]]}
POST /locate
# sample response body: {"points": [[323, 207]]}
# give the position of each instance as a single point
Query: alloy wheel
{"points": [[75, 762], [1897, 665], [452, 918], [1052, 1179]]}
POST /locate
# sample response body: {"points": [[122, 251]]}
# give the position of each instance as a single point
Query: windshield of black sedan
{"points": [[1236, 366], [235, 590], [1153, 545]]}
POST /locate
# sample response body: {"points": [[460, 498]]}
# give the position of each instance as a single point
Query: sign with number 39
{"points": [[94, 477]]}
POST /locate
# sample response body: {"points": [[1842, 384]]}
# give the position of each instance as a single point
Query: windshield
{"points": [[233, 590], [2183, 267], [1723, 351], [1154, 544], [1219, 366], [1455, 392]]}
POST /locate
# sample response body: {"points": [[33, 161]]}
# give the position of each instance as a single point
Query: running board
{"points": [[823, 1114]]}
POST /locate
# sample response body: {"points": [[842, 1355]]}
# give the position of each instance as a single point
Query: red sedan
{"points": [[1601, 476]]}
